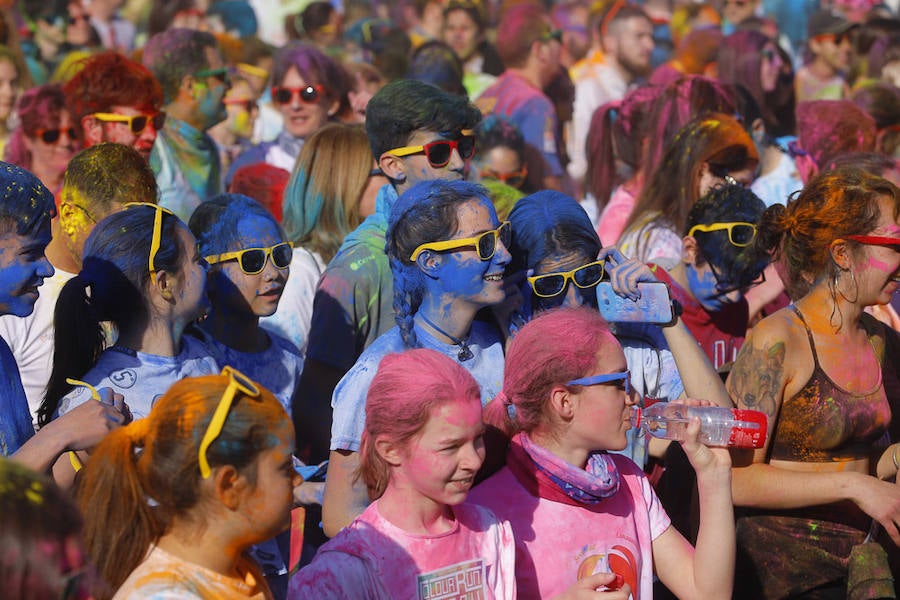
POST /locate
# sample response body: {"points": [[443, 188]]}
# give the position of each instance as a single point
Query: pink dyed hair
{"points": [[555, 347], [406, 389], [826, 128]]}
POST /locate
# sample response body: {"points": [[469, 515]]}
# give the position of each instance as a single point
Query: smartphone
{"points": [[654, 305]]}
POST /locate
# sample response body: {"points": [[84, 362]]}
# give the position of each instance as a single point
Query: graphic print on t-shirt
{"points": [[462, 581], [619, 560]]}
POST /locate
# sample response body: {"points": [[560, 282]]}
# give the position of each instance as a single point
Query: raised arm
{"points": [[346, 496]]}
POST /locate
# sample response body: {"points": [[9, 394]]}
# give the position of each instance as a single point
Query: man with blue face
{"points": [[194, 79]]}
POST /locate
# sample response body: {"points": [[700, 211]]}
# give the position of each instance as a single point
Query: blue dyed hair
{"points": [[547, 223], [26, 205], [436, 63], [215, 222], [426, 212], [111, 286]]}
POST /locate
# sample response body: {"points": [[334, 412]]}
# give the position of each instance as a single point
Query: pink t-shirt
{"points": [[614, 216], [374, 559], [557, 544]]}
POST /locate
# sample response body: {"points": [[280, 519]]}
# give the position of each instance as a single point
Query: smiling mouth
{"points": [[494, 277]]}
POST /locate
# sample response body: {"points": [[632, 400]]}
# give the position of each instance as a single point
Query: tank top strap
{"points": [[809, 335]]}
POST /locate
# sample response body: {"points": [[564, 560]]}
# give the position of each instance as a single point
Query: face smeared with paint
{"points": [[210, 91], [120, 132], [191, 294], [572, 296], [269, 504], [441, 461], [238, 293], [877, 268], [702, 284], [23, 268], [463, 274], [416, 167], [602, 412], [241, 114], [77, 218], [302, 119]]}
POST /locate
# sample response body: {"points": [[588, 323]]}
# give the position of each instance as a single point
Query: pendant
{"points": [[464, 353]]}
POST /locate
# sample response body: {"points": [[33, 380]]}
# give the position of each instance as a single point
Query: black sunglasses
{"points": [[51, 136]]}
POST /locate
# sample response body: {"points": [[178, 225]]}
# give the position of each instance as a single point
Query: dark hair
{"points": [[402, 107], [156, 459], [174, 53], [729, 204], [873, 163], [111, 286], [37, 520], [315, 16], [162, 13], [314, 66], [26, 205], [426, 212], [498, 131], [109, 79], [436, 63], [215, 222], [109, 173]]}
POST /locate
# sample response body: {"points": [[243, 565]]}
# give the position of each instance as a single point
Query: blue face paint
{"points": [[23, 268], [703, 286]]}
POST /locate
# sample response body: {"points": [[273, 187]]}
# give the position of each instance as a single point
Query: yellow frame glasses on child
{"points": [[281, 260], [156, 240], [730, 227], [237, 382], [539, 290], [502, 233]]}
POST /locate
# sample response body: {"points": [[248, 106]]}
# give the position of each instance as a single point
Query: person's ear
{"points": [[758, 130], [186, 88], [389, 450], [562, 403], [690, 250], [165, 283], [229, 486], [93, 130], [333, 108], [393, 167], [429, 262], [840, 254], [67, 217]]}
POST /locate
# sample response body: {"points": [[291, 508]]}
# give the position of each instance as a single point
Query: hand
{"points": [[512, 288], [85, 425], [309, 492], [880, 500], [614, 588], [625, 273], [703, 458]]}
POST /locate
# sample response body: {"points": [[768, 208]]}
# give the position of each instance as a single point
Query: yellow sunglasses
{"points": [[237, 382], [485, 243], [740, 234], [156, 240], [253, 260], [549, 285]]}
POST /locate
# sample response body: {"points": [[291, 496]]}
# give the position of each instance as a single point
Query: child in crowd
{"points": [[172, 501], [574, 508], [421, 448], [448, 252]]}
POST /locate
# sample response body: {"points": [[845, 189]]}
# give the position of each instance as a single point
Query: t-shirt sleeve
{"points": [[539, 130], [341, 309], [335, 575], [349, 404], [659, 519]]}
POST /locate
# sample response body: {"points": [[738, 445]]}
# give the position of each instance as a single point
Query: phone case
{"points": [[654, 305]]}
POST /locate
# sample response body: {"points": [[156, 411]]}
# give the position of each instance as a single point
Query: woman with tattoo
{"points": [[818, 368]]}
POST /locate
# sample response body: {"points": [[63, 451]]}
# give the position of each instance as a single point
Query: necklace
{"points": [[465, 353]]}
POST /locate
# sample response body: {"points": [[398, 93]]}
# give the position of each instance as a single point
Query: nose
{"points": [[572, 298], [501, 254], [471, 458], [456, 161], [45, 269]]}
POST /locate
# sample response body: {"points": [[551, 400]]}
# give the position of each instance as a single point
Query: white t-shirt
{"points": [[294, 315], [31, 340], [373, 558], [142, 378]]}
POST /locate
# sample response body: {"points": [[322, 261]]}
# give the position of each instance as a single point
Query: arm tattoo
{"points": [[755, 380]]}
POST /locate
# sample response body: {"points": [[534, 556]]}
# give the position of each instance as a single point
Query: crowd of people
{"points": [[345, 299]]}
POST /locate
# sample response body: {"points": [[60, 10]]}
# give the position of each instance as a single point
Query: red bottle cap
{"points": [[752, 431]]}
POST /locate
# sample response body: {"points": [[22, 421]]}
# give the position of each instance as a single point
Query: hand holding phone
{"points": [[653, 306]]}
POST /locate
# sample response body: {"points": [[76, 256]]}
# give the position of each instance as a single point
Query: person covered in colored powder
{"points": [[825, 373], [448, 252], [416, 133], [575, 509], [194, 79], [215, 457]]}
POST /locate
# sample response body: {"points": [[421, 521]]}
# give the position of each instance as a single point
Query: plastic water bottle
{"points": [[718, 426]]}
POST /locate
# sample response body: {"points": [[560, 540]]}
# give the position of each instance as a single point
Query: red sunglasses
{"points": [[875, 240], [308, 95]]}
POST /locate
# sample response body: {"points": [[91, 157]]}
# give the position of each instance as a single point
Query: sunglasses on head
{"points": [[308, 95], [514, 179], [549, 285], [51, 136], [621, 379], [439, 152], [485, 243], [739, 234], [221, 74], [156, 238], [237, 382], [253, 260], [136, 123]]}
